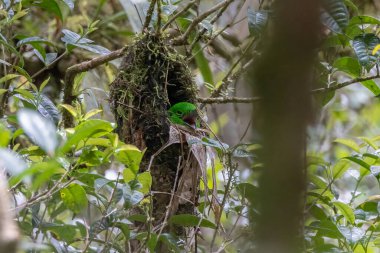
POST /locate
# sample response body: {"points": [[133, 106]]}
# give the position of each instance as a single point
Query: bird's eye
{"points": [[179, 113]]}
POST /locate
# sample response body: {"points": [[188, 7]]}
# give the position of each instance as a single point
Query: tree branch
{"points": [[226, 100], [173, 18], [344, 84], [79, 68], [183, 38], [149, 15]]}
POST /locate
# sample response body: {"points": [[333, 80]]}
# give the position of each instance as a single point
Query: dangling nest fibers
{"points": [[153, 77]]}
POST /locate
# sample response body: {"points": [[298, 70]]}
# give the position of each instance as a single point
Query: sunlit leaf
{"points": [[74, 197], [188, 220]]}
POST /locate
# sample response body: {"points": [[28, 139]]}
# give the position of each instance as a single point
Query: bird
{"points": [[184, 113]]}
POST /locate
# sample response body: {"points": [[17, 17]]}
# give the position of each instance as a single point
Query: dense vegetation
{"points": [[125, 126]]}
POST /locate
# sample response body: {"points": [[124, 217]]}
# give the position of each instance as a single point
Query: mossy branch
{"points": [[149, 15], [71, 72]]}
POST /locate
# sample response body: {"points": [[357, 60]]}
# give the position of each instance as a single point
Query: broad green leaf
{"points": [[257, 21], [335, 15], [87, 129], [8, 77], [363, 46], [145, 180], [327, 228], [359, 162], [12, 162], [130, 156], [372, 86], [349, 65], [188, 220], [5, 136], [91, 113], [47, 108], [64, 232], [349, 143], [71, 110], [51, 6], [39, 129], [345, 210], [361, 20], [2, 91], [340, 168], [203, 64], [74, 197], [77, 40], [369, 142]]}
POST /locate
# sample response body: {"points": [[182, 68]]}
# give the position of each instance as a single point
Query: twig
{"points": [[344, 84], [149, 15], [175, 16], [226, 100], [79, 68], [183, 38], [158, 28], [213, 20]]}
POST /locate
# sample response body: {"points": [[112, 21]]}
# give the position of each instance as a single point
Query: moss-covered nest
{"points": [[153, 76]]}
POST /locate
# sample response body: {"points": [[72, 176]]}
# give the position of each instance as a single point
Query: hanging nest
{"points": [[152, 78]]}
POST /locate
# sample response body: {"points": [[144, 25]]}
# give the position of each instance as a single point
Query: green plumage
{"points": [[181, 110]]}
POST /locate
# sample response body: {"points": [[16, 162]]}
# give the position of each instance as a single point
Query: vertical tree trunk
{"points": [[9, 234], [283, 78]]}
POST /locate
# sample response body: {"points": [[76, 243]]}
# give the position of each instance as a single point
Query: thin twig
{"points": [[175, 16], [183, 38], [226, 100], [344, 84]]}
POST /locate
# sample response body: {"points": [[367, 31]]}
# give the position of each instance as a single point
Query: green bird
{"points": [[184, 113]]}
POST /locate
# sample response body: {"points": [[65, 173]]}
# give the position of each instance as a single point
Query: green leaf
{"points": [[257, 21], [74, 197], [5, 136], [363, 46], [203, 64], [145, 180], [130, 156], [188, 220], [372, 86], [75, 39], [87, 129], [335, 15], [64, 232], [50, 6], [359, 162], [340, 168], [349, 65], [39, 129], [327, 228], [361, 20], [349, 143], [345, 210]]}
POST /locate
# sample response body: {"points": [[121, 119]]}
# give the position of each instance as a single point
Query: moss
{"points": [[153, 76]]}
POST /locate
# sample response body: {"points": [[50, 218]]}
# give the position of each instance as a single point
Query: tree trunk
{"points": [[283, 77]]}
